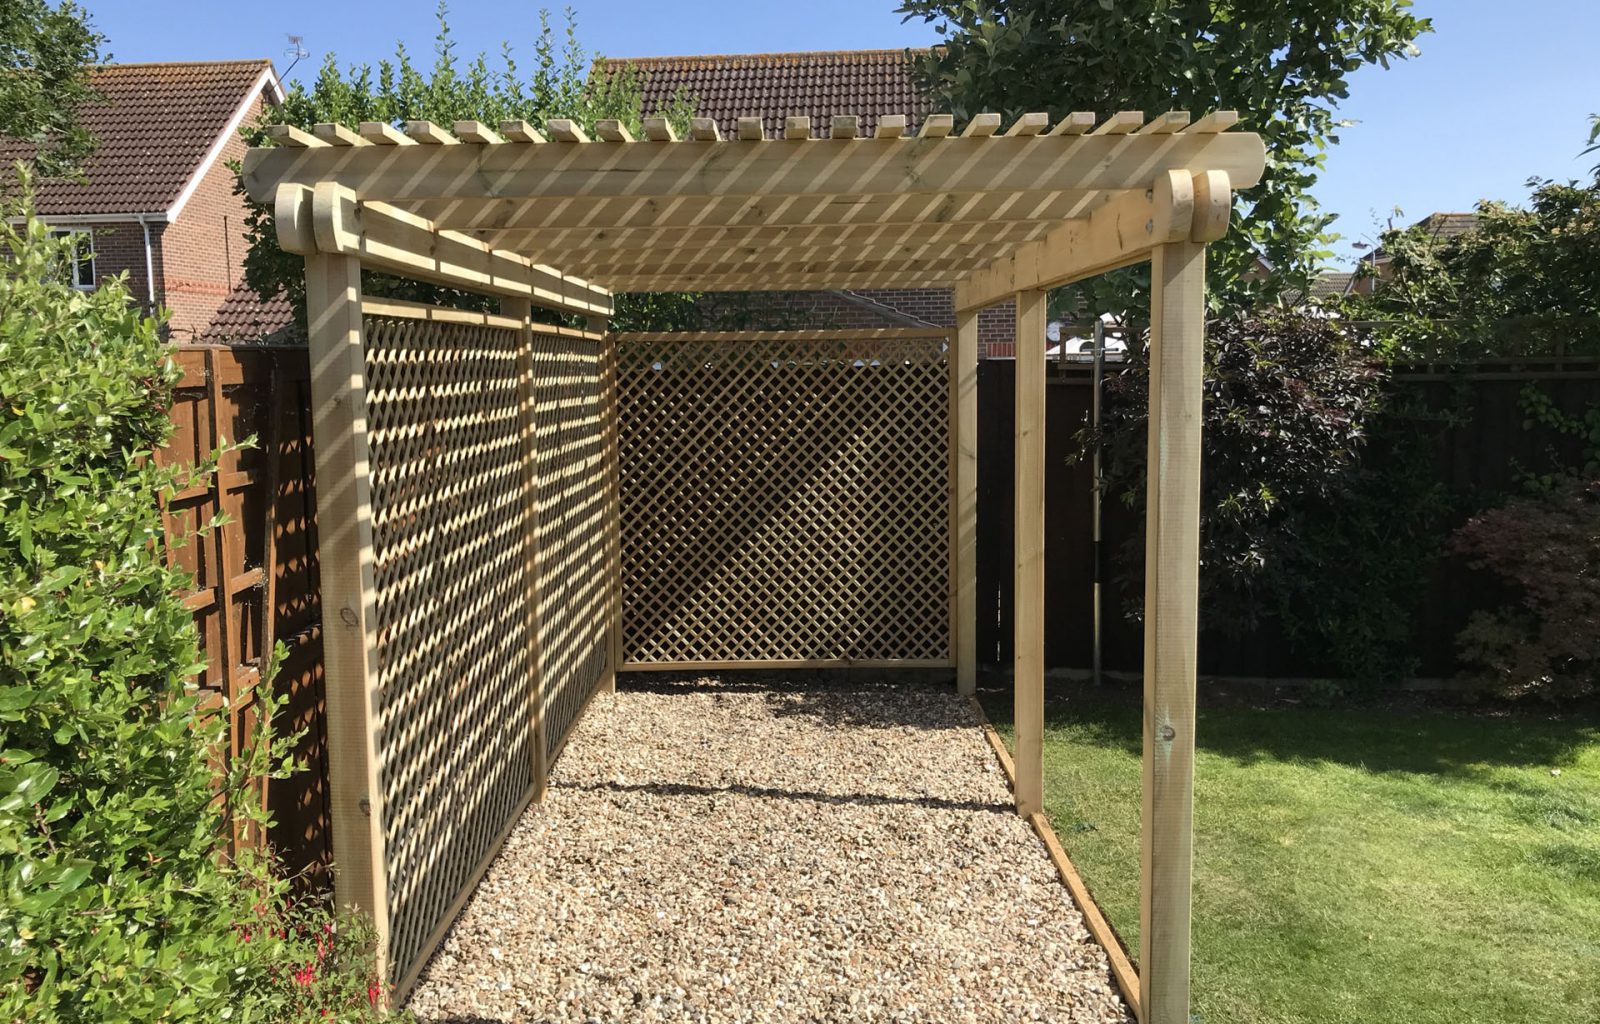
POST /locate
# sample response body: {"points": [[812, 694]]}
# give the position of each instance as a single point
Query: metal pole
{"points": [[1096, 377]]}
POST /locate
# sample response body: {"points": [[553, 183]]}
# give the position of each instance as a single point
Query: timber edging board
{"points": [[1122, 968]]}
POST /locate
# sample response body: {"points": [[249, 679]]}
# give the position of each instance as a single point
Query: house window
{"points": [[82, 274]]}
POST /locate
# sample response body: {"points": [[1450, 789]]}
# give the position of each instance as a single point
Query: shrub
{"points": [[118, 901], [1545, 547], [1298, 529]]}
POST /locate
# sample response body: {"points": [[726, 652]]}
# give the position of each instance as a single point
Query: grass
{"points": [[1354, 865]]}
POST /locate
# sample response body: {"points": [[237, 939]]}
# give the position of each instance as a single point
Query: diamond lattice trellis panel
{"points": [[785, 499], [454, 651], [573, 506], [454, 429]]}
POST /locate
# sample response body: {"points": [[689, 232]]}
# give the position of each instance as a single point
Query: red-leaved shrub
{"points": [[1546, 548]]}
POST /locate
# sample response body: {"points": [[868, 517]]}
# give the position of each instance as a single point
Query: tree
{"points": [[565, 81], [45, 54], [1283, 64], [1525, 282]]}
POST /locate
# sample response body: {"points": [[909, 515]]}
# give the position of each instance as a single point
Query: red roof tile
{"points": [[819, 85], [245, 317], [153, 128]]}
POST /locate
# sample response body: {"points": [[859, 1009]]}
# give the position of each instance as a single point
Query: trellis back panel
{"points": [[785, 499], [459, 666]]}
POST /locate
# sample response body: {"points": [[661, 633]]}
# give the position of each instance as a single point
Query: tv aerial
{"points": [[297, 50]]}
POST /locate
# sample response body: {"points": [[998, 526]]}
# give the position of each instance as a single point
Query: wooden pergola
{"points": [[558, 221]]}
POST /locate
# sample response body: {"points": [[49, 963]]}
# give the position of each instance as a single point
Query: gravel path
{"points": [[715, 852]]}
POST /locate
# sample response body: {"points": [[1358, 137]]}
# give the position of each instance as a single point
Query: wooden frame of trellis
{"points": [[998, 215]]}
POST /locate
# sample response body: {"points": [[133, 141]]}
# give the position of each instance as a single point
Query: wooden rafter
{"points": [[996, 208]]}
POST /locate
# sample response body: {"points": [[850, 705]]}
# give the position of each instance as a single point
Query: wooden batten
{"points": [[517, 311], [520, 131], [964, 506], [382, 133], [385, 238], [698, 172], [478, 132], [659, 129], [609, 413], [1122, 232]]}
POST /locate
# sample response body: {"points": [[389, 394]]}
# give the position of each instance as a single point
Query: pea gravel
{"points": [[711, 851]]}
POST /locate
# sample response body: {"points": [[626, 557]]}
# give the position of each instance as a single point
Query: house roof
{"points": [[1442, 226], [246, 316], [818, 85], [1332, 284], [157, 128]]}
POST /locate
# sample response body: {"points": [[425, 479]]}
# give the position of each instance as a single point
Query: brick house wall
{"points": [[203, 249], [119, 248], [864, 310], [158, 126]]}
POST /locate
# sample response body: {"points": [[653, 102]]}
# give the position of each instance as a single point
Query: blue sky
{"points": [[1500, 93]]}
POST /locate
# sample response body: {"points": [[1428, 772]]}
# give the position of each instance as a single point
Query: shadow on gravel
{"points": [[769, 793], [904, 698]]}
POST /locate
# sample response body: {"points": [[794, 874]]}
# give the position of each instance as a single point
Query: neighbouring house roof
{"points": [[158, 129], [246, 316], [1447, 225], [819, 85], [1332, 284]]}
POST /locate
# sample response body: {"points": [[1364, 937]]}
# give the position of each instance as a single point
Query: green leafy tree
{"points": [[119, 901], [1525, 282], [45, 54], [1283, 64], [564, 81]]}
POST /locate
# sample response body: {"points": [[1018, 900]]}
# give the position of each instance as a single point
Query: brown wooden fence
{"points": [[256, 579], [1481, 444]]}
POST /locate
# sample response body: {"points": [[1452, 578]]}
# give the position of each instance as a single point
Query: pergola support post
{"points": [[344, 529], [964, 507], [1172, 550], [1028, 585]]}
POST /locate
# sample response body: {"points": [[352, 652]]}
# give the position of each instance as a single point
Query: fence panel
{"points": [[785, 499], [455, 656], [256, 576], [1481, 443]]}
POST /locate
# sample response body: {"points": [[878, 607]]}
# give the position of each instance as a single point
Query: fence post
{"points": [[344, 530], [1172, 553], [1027, 676]]}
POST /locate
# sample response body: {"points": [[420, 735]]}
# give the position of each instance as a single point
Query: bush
{"points": [[1304, 534], [118, 901], [1546, 548]]}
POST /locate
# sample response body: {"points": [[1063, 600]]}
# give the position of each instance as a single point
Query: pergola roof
{"points": [[988, 212]]}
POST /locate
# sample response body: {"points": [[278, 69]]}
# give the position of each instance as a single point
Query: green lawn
{"points": [[1370, 867]]}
